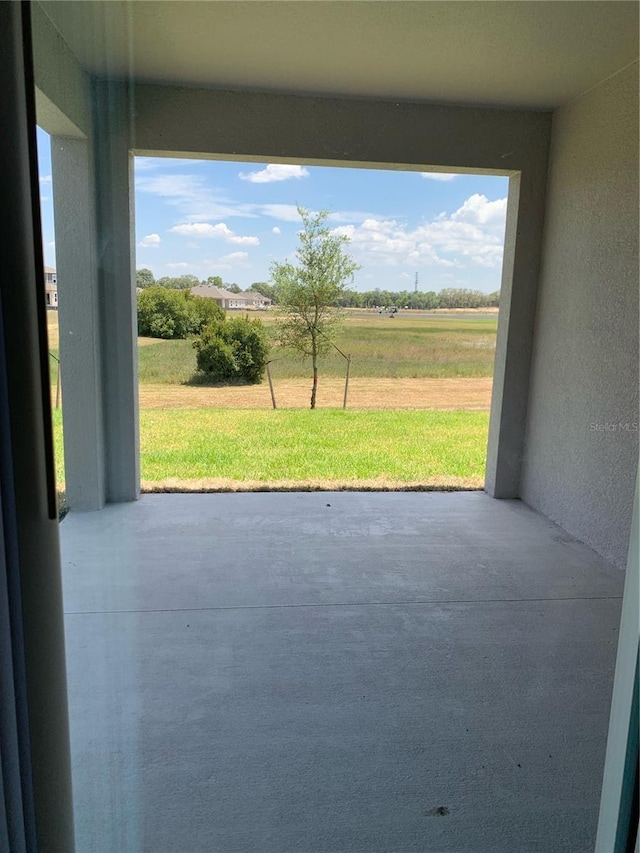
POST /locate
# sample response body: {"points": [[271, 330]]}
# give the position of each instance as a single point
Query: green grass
{"points": [[58, 446], [304, 445], [421, 347], [221, 448], [405, 346], [299, 446], [166, 362]]}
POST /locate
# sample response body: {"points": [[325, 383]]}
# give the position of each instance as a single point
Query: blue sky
{"points": [[233, 219]]}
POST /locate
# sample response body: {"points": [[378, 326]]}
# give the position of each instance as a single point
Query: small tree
{"points": [[307, 294], [144, 278]]}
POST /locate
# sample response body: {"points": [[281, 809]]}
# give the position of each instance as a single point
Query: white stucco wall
{"points": [[580, 466]]}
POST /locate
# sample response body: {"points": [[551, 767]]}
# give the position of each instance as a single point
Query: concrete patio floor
{"points": [[332, 672]]}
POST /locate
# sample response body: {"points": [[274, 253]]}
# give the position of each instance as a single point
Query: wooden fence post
{"points": [[346, 383], [273, 396]]}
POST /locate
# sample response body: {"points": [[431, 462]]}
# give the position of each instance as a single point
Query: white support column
{"points": [[514, 345], [75, 227], [615, 829], [117, 298]]}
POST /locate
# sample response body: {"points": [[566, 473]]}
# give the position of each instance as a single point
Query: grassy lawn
{"points": [[212, 448], [202, 438], [405, 346]]}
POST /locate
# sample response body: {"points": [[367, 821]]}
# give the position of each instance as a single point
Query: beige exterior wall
{"points": [[580, 464]]}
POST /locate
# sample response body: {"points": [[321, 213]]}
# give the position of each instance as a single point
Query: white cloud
{"points": [[289, 213], [471, 236], [235, 257], [45, 179], [438, 176], [202, 229], [52, 244], [284, 212], [197, 201], [477, 208], [348, 216], [152, 164], [221, 230], [244, 241], [179, 265], [274, 172], [150, 241], [276, 230]]}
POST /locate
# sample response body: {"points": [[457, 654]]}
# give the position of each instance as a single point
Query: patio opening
{"points": [[404, 385]]}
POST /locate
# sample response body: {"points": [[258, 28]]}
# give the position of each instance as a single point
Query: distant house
{"points": [[256, 300], [248, 301], [236, 300], [50, 288], [210, 291]]}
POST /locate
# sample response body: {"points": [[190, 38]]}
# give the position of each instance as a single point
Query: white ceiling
{"points": [[534, 55]]}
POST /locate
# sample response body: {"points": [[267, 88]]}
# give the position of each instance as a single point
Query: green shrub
{"points": [[164, 313], [205, 311], [232, 350], [215, 356]]}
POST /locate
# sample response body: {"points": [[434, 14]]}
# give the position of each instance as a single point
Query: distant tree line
{"points": [[145, 278], [419, 300], [451, 297]]}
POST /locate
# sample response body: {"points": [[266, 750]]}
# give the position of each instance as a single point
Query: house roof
{"points": [[210, 291], [528, 55], [50, 269]]}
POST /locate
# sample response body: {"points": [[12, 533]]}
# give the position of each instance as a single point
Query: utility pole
{"points": [[415, 286]]}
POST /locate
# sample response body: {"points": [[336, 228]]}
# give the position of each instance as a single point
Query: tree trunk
{"points": [[314, 387]]}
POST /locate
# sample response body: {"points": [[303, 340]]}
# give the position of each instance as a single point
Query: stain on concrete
{"points": [[438, 811]]}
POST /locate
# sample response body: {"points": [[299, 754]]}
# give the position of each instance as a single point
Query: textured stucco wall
{"points": [[580, 465], [63, 102]]}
